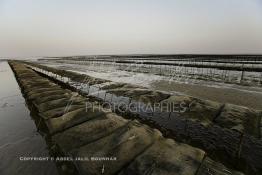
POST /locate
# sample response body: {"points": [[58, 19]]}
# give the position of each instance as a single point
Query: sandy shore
{"points": [[252, 99]]}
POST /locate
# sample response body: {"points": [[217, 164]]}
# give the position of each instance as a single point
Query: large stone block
{"points": [[34, 87], [151, 97], [203, 111], [241, 119], [129, 92], [40, 94], [36, 91], [76, 100], [38, 101], [166, 157], [58, 112], [72, 118], [39, 90], [221, 142], [111, 85], [89, 131], [124, 145], [251, 155]]}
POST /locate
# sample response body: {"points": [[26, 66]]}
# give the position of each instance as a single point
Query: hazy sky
{"points": [[78, 27]]}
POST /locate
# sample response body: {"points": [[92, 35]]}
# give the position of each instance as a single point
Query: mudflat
{"points": [[242, 97]]}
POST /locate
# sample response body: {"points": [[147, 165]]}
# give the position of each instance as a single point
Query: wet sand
{"points": [[224, 93], [252, 99], [18, 133]]}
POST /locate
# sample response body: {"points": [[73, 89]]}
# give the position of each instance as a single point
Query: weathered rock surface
{"points": [[251, 153], [88, 132], [166, 157], [240, 119], [203, 111], [57, 112], [124, 144], [59, 103], [71, 119]]}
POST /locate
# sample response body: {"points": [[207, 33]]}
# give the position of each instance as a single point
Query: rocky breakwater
{"points": [[79, 131]]}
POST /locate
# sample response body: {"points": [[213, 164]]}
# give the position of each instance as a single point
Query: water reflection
{"points": [[18, 133]]}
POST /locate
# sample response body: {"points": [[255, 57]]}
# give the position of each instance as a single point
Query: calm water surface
{"points": [[18, 133]]}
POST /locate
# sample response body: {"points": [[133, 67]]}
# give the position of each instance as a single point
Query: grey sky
{"points": [[77, 27]]}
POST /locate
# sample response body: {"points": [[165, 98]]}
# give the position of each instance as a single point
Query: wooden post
{"points": [[242, 75]]}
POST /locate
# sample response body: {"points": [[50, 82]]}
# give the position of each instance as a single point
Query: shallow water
{"points": [[18, 132]]}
